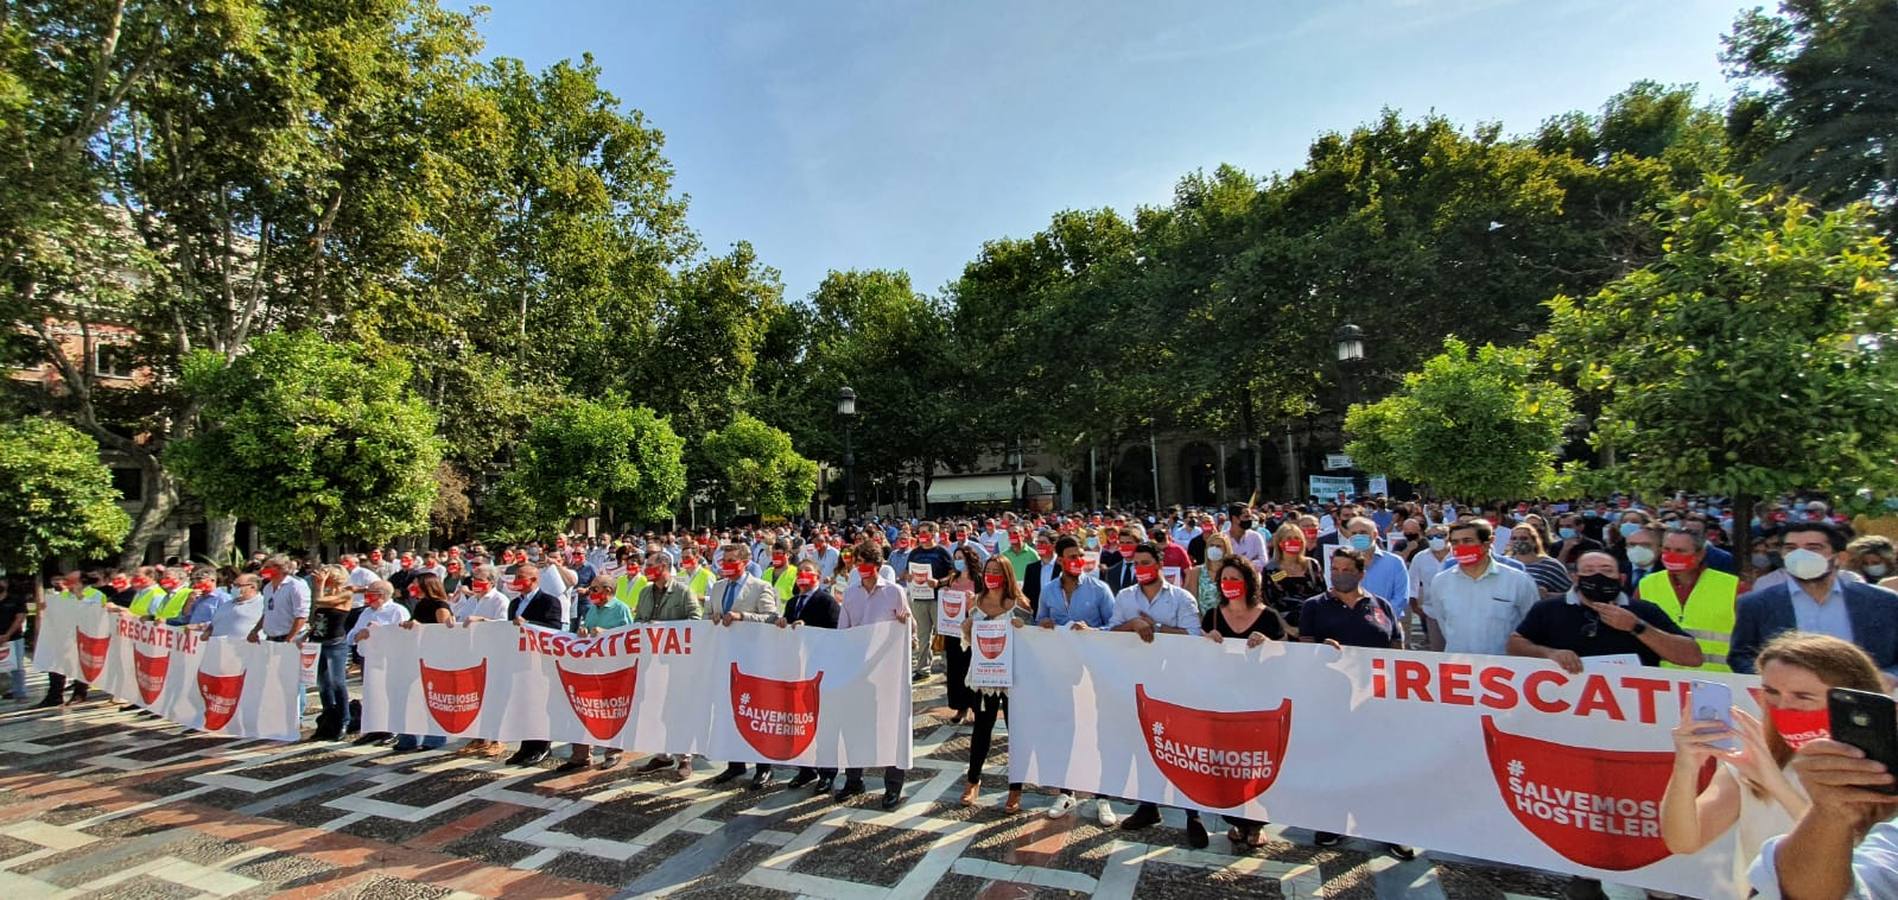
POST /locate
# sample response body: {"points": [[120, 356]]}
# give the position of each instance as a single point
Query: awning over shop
{"points": [[1036, 486], [970, 488]]}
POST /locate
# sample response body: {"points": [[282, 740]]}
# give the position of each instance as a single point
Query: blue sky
{"points": [[903, 134]]}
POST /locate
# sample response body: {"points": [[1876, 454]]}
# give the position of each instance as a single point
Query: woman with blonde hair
{"points": [[329, 623], [1750, 788], [1293, 576]]}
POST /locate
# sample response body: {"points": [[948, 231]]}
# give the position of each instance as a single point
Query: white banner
{"points": [[1328, 487], [1568, 777], [748, 692], [224, 685], [991, 664]]}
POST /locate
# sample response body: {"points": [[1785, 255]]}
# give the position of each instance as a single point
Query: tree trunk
{"points": [[220, 535], [161, 498], [1291, 465]]}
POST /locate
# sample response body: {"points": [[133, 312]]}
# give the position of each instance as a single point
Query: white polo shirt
{"points": [[1172, 607]]}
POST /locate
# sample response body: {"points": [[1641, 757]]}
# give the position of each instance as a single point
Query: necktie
{"points": [[731, 595]]}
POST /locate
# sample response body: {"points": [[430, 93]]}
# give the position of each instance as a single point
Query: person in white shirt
{"points": [[378, 610], [480, 601], [1479, 603], [360, 578], [1424, 566], [1147, 606], [286, 602]]}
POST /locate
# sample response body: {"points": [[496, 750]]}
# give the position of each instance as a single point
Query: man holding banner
{"points": [[1152, 606]]}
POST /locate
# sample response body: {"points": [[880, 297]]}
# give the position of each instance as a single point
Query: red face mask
{"points": [[204, 587], [806, 581], [415, 593], [1467, 554], [1677, 562], [479, 587], [454, 554], [598, 597], [731, 569], [1232, 589], [1294, 547], [902, 543], [1075, 565], [118, 584], [375, 557], [507, 558], [1044, 550], [1206, 528], [141, 582], [1798, 727], [777, 560], [1146, 574], [522, 585], [1127, 549], [170, 584], [454, 568], [867, 571], [690, 563], [653, 572], [408, 562], [349, 565], [993, 581]]}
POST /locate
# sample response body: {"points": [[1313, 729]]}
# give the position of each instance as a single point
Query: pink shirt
{"points": [[868, 607]]}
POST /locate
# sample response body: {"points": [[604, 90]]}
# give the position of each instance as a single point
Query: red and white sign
{"points": [[748, 692], [991, 662], [1569, 777], [224, 685], [951, 607]]}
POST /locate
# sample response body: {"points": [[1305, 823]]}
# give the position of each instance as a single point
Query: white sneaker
{"points": [[1063, 805], [1106, 814]]}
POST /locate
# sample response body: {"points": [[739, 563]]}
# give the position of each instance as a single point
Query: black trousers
{"points": [[892, 778], [56, 686], [987, 707], [956, 672]]}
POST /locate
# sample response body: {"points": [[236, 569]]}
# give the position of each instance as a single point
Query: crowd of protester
{"points": [[1811, 607]]}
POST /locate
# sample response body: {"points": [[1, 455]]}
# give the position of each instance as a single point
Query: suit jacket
{"points": [[1119, 577], [1031, 582], [820, 611], [539, 608], [757, 600], [1764, 613]]}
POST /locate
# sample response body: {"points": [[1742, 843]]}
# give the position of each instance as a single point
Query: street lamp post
{"points": [[1350, 340], [847, 408]]}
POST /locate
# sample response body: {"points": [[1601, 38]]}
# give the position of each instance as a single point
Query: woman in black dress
{"points": [[1292, 577], [1241, 615], [430, 608]]}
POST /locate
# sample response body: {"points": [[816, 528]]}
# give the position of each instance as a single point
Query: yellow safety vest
{"points": [[175, 604], [785, 582], [701, 581], [626, 590], [1707, 617], [142, 604]]}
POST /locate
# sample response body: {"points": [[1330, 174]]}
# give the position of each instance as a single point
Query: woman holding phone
{"points": [[1750, 788]]}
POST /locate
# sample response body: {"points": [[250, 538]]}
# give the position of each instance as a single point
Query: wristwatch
{"points": [[1640, 628]]}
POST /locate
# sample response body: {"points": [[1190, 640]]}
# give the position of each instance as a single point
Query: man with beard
{"points": [[1817, 599]]}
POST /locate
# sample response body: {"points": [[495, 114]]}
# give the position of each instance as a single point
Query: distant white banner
{"points": [[748, 692], [223, 685]]}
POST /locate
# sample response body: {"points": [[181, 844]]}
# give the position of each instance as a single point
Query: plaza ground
{"points": [[100, 803]]}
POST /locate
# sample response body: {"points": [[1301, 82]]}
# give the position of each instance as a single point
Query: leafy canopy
{"points": [[310, 440], [759, 468], [56, 497], [1473, 426]]}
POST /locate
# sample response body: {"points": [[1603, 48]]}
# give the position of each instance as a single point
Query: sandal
{"points": [[969, 794], [1014, 801]]}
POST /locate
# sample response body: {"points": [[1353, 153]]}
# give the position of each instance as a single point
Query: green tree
{"points": [[1750, 359], [1474, 426], [582, 453], [1825, 114], [758, 469], [56, 497], [310, 441]]}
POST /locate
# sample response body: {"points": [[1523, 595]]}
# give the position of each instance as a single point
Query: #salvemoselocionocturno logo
{"points": [[1218, 759], [454, 696]]}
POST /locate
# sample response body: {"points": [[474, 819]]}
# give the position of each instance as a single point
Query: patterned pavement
{"points": [[100, 803]]}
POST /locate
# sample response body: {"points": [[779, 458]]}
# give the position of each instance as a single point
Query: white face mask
{"points": [[1215, 554], [1640, 556], [1806, 565]]}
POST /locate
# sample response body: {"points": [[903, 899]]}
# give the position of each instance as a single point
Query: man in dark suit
{"points": [[532, 607], [810, 606], [1043, 569], [1816, 599]]}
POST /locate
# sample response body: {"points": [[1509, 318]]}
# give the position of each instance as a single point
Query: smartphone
{"points": [[1712, 701], [1869, 722]]}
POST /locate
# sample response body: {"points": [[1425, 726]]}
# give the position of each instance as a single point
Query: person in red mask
{"points": [[1464, 600], [739, 596], [665, 597], [533, 607], [808, 604], [1751, 787]]}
